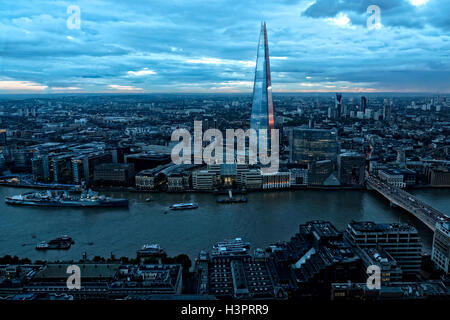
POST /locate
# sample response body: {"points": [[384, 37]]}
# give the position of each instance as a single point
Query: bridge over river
{"points": [[398, 197]]}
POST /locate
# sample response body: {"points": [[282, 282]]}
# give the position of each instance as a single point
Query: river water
{"points": [[266, 218]]}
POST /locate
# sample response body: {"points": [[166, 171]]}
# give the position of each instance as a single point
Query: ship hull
{"points": [[185, 206], [191, 208], [53, 248], [70, 204]]}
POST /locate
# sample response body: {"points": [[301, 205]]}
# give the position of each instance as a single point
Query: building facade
{"points": [[401, 241], [310, 145], [114, 174], [204, 180], [280, 180], [440, 253], [392, 177], [252, 179], [351, 168], [299, 177], [262, 116]]}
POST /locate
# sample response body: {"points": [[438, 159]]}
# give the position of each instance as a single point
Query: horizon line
{"points": [[211, 93]]}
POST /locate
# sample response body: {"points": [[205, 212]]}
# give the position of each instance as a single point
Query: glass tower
{"points": [[311, 145], [262, 106]]}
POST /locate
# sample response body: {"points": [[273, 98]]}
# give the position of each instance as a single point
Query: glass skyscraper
{"points": [[311, 145], [262, 106]]}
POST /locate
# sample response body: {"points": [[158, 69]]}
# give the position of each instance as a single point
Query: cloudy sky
{"points": [[210, 45]]}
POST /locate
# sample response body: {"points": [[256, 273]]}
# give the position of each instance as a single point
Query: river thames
{"points": [[266, 218]]}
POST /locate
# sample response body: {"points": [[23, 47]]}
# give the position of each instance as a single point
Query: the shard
{"points": [[262, 107]]}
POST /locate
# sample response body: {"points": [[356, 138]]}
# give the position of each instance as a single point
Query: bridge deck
{"points": [[421, 210]]}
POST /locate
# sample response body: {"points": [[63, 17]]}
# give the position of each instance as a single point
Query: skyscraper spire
{"points": [[262, 106]]}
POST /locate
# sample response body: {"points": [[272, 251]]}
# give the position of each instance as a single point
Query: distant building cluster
{"points": [[126, 141]]}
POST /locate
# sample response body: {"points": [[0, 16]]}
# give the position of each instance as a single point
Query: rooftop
{"points": [[370, 226], [88, 270]]}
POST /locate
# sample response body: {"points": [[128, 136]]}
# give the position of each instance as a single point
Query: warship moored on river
{"points": [[64, 199]]}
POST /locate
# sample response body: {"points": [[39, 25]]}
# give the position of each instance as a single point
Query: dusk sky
{"points": [[139, 46]]}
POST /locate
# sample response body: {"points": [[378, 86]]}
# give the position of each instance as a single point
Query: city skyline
{"points": [[320, 46], [160, 152]]}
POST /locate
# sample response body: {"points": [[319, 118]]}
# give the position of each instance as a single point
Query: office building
{"points": [[94, 280], [370, 256], [178, 176], [438, 176], [147, 280], [363, 104], [204, 180], [252, 179], [114, 174], [177, 182], [399, 178], [310, 145], [110, 281], [387, 109], [2, 137], [151, 179], [239, 277], [40, 168], [351, 167], [319, 171], [401, 241], [440, 253], [83, 165], [279, 180], [241, 170], [299, 177], [61, 168], [339, 105]]}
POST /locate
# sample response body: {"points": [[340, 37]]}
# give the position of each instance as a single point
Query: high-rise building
{"points": [[2, 137], [309, 145], [351, 168], [401, 241], [440, 253], [387, 109], [311, 123], [363, 104], [61, 167], [40, 168], [319, 171], [262, 107], [83, 165], [401, 158], [338, 105]]}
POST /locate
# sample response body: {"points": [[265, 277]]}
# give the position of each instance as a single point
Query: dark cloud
{"points": [[393, 12], [163, 45]]}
